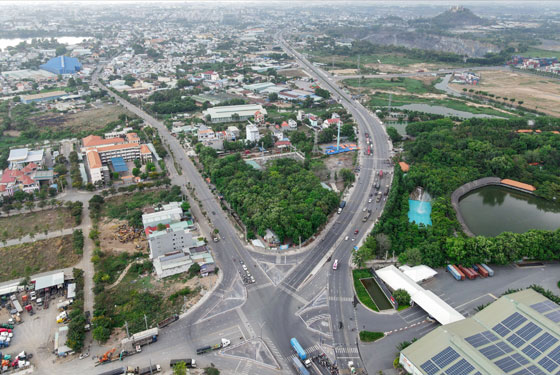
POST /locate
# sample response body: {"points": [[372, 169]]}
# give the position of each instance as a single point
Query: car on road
{"points": [[346, 238], [335, 264], [365, 209], [244, 267], [356, 231], [369, 200]]}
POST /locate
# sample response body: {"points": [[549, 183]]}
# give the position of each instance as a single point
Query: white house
{"points": [[252, 133], [205, 133]]}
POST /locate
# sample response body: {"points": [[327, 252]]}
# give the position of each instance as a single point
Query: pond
{"points": [[491, 210], [419, 212]]}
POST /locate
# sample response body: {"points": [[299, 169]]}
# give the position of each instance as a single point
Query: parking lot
{"points": [[465, 296]]}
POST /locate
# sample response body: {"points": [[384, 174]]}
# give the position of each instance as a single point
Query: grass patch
{"points": [[35, 222], [361, 291], [409, 85], [369, 336], [39, 256], [403, 307], [382, 100]]}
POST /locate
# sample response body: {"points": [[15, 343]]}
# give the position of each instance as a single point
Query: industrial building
{"points": [[42, 97], [176, 236], [519, 334], [225, 113], [62, 65]]}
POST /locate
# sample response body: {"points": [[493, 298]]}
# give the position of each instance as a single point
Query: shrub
{"points": [[368, 336], [402, 297]]}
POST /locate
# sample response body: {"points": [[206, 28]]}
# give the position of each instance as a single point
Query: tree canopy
{"points": [[285, 197]]}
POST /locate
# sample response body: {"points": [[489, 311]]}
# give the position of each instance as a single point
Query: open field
{"points": [[35, 222], [85, 120], [409, 85], [109, 238], [536, 92], [35, 257], [382, 100]]}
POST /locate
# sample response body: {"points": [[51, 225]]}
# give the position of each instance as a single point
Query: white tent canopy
{"points": [[428, 301]]}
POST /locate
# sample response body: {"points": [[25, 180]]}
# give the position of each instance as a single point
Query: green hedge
{"points": [[361, 291], [368, 336]]}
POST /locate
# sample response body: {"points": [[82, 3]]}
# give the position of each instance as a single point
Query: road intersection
{"points": [[292, 300]]}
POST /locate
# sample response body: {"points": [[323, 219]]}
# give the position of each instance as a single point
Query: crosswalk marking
{"points": [[346, 350], [311, 351], [341, 299]]}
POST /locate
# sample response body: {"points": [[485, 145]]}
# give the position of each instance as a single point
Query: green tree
{"points": [[347, 176], [135, 172], [180, 368], [402, 297], [211, 371], [273, 97], [393, 134], [325, 94]]}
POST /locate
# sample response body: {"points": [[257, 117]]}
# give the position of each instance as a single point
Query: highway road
{"points": [[340, 283], [270, 309]]}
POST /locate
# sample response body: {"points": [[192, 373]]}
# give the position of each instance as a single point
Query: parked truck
{"points": [[117, 371], [454, 271], [300, 368], [205, 349], [168, 321], [300, 352], [189, 362], [341, 206], [136, 341], [148, 370], [17, 306], [469, 272]]}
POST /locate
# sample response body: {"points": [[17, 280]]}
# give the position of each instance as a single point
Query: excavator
{"points": [[106, 357]]}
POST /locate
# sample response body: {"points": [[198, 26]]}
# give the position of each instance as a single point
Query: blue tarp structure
{"points": [[62, 65], [419, 212], [119, 165]]}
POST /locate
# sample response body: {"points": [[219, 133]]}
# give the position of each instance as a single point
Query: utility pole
{"points": [[126, 326], [300, 242], [146, 320]]}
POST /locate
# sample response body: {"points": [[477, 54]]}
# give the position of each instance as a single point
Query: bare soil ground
{"points": [[84, 120], [335, 163], [536, 92], [108, 230], [293, 73], [38, 256], [35, 222], [389, 68]]}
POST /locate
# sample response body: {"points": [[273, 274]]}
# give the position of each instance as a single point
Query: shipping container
{"points": [[490, 270], [460, 271], [481, 270], [453, 271]]}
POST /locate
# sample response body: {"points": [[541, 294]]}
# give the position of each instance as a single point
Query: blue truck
{"points": [[300, 368], [453, 271], [300, 352]]}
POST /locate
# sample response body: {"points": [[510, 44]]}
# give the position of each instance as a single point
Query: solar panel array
{"points": [[444, 359], [521, 333], [518, 333]]}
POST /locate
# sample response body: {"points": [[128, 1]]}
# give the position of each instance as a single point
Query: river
{"points": [[12, 42], [491, 210]]}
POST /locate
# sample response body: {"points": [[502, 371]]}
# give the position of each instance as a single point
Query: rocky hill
{"points": [[457, 16]]}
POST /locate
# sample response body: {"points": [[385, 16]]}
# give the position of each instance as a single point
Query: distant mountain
{"points": [[457, 16]]}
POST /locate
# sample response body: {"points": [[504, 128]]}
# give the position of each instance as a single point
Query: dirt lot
{"points": [[335, 163], [108, 235], [293, 73], [85, 120], [536, 92], [35, 257], [35, 222]]}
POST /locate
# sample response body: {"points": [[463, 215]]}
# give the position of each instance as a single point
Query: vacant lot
{"points": [[85, 120], [35, 222], [408, 85], [40, 256], [536, 92]]}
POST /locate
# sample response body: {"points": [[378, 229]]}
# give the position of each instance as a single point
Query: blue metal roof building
{"points": [[119, 164], [62, 65]]}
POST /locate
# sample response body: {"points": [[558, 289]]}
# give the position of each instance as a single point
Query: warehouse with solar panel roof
{"points": [[518, 334]]}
